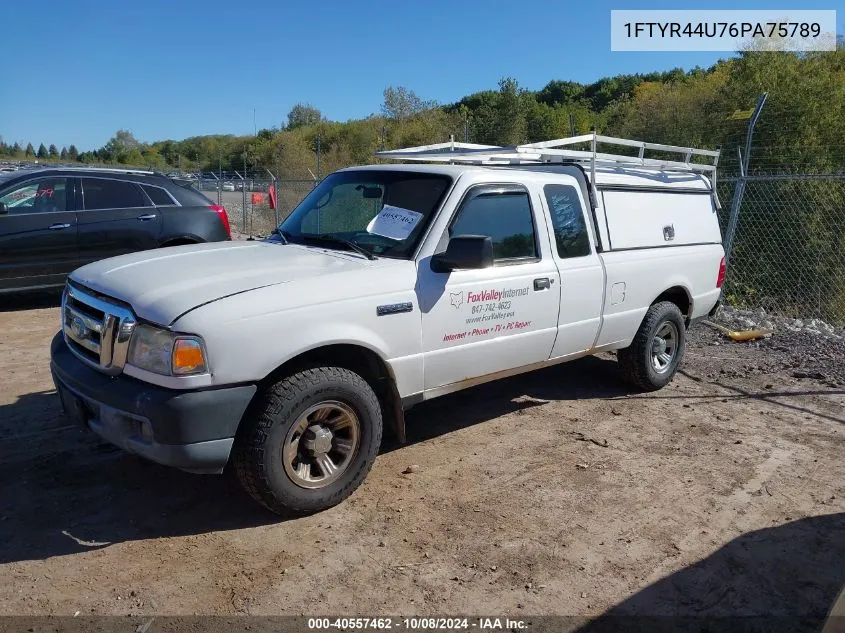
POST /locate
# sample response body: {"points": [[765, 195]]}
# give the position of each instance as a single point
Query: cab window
{"points": [[571, 237], [505, 216]]}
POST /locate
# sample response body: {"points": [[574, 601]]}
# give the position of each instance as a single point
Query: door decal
{"points": [[488, 312]]}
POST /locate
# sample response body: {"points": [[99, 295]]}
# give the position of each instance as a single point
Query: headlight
{"points": [[163, 352]]}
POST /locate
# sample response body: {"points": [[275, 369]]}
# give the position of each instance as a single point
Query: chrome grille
{"points": [[96, 330]]}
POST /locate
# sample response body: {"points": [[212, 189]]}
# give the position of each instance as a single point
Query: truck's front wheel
{"points": [[653, 357], [309, 441]]}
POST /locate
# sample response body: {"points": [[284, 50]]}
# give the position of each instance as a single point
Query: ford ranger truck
{"points": [[386, 286]]}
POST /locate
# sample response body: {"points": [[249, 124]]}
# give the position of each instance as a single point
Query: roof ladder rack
{"points": [[560, 151]]}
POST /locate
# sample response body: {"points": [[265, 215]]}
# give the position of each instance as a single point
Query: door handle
{"points": [[148, 216], [58, 227], [542, 284]]}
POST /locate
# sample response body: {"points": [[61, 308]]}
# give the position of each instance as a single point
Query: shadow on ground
{"points": [[32, 300], [782, 578], [592, 377], [64, 491]]}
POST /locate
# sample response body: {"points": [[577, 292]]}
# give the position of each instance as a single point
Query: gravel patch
{"points": [[801, 348]]}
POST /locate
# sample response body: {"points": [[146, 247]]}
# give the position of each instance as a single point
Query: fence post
{"points": [[244, 190], [220, 180], [743, 173]]}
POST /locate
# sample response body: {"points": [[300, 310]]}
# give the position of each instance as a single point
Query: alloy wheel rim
{"points": [[664, 347], [321, 444]]}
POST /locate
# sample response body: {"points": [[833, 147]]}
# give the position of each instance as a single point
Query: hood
{"points": [[163, 284]]}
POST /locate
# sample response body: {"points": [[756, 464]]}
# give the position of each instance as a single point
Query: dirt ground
{"points": [[556, 492]]}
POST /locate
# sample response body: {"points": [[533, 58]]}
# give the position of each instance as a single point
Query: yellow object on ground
{"points": [[747, 335]]}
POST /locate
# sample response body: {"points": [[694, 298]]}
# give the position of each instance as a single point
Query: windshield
{"points": [[383, 212]]}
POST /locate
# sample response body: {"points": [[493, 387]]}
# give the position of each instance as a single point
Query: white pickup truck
{"points": [[386, 286]]}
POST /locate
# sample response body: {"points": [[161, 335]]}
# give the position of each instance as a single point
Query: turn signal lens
{"points": [[188, 357], [720, 278], [224, 218]]}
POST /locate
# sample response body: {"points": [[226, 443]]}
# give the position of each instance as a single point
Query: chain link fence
{"points": [[249, 210], [787, 255], [788, 252]]}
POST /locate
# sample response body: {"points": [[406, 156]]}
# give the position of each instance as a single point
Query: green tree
{"points": [[72, 153], [479, 108], [119, 147], [265, 134], [16, 149], [303, 114], [560, 92], [42, 151], [63, 153], [53, 152], [151, 158], [510, 112], [401, 103], [134, 158]]}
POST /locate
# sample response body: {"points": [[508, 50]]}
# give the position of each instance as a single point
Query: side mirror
{"points": [[4, 210], [464, 252]]}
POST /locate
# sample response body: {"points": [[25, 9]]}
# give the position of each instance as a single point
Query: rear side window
{"points": [[503, 216], [101, 193], [568, 220], [158, 195], [187, 196]]}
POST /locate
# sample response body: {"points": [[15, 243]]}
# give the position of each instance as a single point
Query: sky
{"points": [[76, 71]]}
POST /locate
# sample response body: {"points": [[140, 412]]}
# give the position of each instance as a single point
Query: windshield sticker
{"points": [[395, 223]]}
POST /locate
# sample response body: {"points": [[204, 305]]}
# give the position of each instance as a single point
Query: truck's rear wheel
{"points": [[309, 441], [653, 357]]}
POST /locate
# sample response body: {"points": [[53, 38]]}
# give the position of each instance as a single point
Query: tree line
{"points": [[803, 126], [791, 234], [43, 152]]}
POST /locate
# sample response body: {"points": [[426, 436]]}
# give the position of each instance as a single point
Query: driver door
{"points": [[478, 322], [37, 234]]}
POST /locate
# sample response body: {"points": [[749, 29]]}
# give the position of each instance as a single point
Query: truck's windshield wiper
{"points": [[336, 239]]}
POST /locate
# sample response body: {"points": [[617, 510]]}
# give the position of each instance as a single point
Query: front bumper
{"points": [[189, 430]]}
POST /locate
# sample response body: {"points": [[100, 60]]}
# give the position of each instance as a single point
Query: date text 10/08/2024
{"points": [[417, 624]]}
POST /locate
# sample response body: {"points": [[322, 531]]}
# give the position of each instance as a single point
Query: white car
{"points": [[228, 186], [385, 287]]}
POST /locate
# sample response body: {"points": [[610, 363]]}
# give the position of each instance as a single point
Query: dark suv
{"points": [[54, 220]]}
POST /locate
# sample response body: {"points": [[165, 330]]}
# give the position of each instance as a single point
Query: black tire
{"points": [[257, 454], [636, 360]]}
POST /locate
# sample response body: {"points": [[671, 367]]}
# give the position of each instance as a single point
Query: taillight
{"points": [[720, 279], [224, 218]]}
